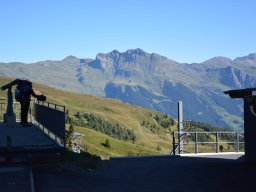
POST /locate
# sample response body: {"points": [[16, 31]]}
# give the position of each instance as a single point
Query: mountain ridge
{"points": [[151, 80], [250, 56]]}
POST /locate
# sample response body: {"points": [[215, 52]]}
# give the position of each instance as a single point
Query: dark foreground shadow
{"points": [[186, 174]]}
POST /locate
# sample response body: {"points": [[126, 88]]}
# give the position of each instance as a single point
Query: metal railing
{"points": [[50, 118], [52, 105], [207, 140], [60, 138]]}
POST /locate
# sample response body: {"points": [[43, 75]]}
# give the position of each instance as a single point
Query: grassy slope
{"points": [[113, 110]]}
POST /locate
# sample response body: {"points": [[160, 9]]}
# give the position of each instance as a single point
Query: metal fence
{"points": [[205, 142], [50, 117]]}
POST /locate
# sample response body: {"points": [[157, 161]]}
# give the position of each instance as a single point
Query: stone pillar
{"points": [[9, 116]]}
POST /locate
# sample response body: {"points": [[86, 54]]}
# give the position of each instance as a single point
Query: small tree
{"points": [[78, 115], [158, 148], [69, 134], [221, 148], [107, 143], [67, 112]]}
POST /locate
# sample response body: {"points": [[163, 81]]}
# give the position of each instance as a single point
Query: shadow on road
{"points": [[214, 173]]}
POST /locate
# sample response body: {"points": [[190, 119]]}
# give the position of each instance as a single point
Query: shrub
{"points": [[107, 144]]}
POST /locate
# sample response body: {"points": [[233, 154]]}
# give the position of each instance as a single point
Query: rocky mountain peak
{"points": [[151, 80], [217, 62], [251, 56], [114, 52], [218, 59], [137, 51], [70, 58]]}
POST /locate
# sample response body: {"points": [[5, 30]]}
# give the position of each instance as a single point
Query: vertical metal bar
{"points": [[65, 134], [217, 142], [173, 143], [196, 143], [237, 142], [1, 110], [180, 126]]}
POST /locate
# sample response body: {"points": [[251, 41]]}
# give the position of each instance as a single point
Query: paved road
{"points": [[183, 174], [15, 178]]}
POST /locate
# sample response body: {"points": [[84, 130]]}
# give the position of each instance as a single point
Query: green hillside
{"points": [[129, 130], [151, 128]]}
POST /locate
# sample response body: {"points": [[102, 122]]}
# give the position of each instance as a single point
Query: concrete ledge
{"points": [[144, 157], [210, 154], [220, 155]]}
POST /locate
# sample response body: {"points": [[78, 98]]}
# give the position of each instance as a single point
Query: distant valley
{"points": [[152, 81]]}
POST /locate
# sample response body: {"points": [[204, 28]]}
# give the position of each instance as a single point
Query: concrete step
{"points": [[47, 162], [33, 159], [45, 158], [13, 159], [48, 168]]}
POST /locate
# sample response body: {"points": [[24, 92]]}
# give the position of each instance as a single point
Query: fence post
{"points": [[217, 142], [173, 143], [2, 110], [196, 144], [237, 142], [180, 127]]}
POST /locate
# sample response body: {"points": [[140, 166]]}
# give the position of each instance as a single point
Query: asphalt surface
{"points": [[182, 174], [15, 178]]}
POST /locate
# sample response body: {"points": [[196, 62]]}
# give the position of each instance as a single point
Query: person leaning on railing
{"points": [[23, 94]]}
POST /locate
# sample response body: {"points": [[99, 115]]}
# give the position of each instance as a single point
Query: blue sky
{"points": [[183, 30]]}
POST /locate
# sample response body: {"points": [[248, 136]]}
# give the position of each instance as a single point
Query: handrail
{"points": [[217, 141], [210, 132], [46, 103], [51, 121], [3, 105]]}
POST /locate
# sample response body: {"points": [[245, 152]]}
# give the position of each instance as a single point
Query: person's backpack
{"points": [[22, 91]]}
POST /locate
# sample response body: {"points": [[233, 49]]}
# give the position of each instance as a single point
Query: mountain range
{"points": [[152, 81]]}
